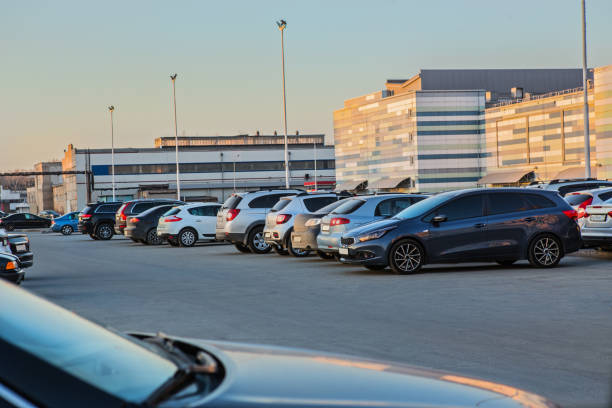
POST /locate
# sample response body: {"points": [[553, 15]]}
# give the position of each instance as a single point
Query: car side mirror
{"points": [[438, 219]]}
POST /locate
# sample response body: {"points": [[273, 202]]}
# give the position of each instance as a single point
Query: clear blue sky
{"points": [[64, 62]]}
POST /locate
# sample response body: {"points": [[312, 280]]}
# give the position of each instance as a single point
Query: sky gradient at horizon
{"points": [[64, 62]]}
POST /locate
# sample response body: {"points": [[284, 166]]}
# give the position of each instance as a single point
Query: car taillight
{"points": [[85, 216], [172, 218], [232, 214], [339, 221], [573, 214], [134, 220], [282, 218], [582, 208]]}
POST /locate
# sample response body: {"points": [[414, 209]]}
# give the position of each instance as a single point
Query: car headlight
{"points": [[374, 234], [312, 222]]}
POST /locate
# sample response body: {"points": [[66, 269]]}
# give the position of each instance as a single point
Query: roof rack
{"points": [[557, 181]]}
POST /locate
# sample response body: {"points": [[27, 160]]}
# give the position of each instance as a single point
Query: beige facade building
{"points": [[40, 197]]}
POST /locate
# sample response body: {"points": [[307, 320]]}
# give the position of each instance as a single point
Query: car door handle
{"points": [[480, 225], [529, 219]]}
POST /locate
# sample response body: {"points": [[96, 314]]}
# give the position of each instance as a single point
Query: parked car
{"points": [[359, 211], [134, 207], [143, 227], [185, 225], [87, 365], [20, 247], [49, 214], [580, 200], [242, 218], [307, 226], [567, 186], [98, 219], [597, 227], [499, 225], [12, 271], [66, 224], [281, 217], [24, 221]]}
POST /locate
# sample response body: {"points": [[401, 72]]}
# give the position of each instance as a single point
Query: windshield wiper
{"points": [[185, 374]]}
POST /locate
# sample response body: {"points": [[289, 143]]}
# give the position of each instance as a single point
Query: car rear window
{"points": [[349, 207], [605, 196], [331, 207], [232, 202], [576, 199], [315, 203], [86, 210], [282, 203], [172, 211]]}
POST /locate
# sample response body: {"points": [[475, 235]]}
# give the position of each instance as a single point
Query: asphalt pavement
{"points": [[546, 331]]}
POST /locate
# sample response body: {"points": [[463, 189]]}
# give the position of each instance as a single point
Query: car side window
{"points": [[470, 206], [384, 208], [138, 208], [28, 216], [539, 201], [316, 203], [197, 211], [211, 210], [503, 203], [261, 202], [401, 204]]}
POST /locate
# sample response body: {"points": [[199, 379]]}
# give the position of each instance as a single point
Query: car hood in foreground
{"points": [[266, 376]]}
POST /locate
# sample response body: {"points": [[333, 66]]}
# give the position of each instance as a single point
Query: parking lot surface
{"points": [[546, 331]]}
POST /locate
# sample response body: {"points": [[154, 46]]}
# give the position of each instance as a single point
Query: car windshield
{"points": [[423, 206], [83, 349]]}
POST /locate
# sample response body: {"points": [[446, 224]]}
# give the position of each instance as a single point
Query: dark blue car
{"points": [[66, 224], [499, 225]]}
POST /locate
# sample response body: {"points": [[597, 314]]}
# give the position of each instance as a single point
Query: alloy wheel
{"points": [[105, 232], [153, 238], [66, 230], [188, 238], [259, 243], [407, 257], [546, 251]]}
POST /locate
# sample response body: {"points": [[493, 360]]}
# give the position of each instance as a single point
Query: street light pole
{"points": [[281, 26], [315, 163], [111, 109], [176, 144], [587, 142]]}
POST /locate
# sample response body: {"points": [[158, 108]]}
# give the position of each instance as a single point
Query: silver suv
{"points": [[359, 211], [242, 217], [563, 187], [280, 219]]}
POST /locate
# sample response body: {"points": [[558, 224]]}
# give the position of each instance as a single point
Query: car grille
{"points": [[347, 241]]}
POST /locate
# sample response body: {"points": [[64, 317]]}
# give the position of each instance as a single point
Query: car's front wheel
{"points": [[105, 232], [406, 257], [187, 237], [67, 230], [256, 243], [545, 251], [153, 238]]}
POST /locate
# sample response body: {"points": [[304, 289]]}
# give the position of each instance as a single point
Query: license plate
{"points": [[598, 217], [343, 251], [324, 227], [20, 248], [297, 239]]}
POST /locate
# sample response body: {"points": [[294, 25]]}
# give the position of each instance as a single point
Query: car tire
{"points": [[545, 251], [506, 262], [67, 230], [256, 242], [406, 257], [298, 253], [325, 255], [173, 242], [242, 248], [104, 232], [93, 236], [153, 238], [187, 237], [376, 267], [10, 227]]}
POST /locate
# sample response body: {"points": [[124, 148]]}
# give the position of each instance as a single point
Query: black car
{"points": [[20, 247], [143, 227], [134, 207], [498, 225], [24, 221], [86, 365], [10, 270], [98, 219]]}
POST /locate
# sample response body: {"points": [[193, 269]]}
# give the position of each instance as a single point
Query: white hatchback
{"points": [[186, 224]]}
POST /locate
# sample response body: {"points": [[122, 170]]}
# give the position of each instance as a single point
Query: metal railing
{"points": [[539, 96]]}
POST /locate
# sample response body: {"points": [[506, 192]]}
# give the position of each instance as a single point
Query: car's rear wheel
{"points": [[242, 248], [325, 255], [296, 252], [67, 230], [406, 257], [153, 238], [104, 232], [545, 251], [256, 242], [506, 262], [187, 237]]}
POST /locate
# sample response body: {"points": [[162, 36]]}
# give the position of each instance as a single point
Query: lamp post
{"points": [[111, 109], [587, 142], [315, 163], [176, 144], [281, 26]]}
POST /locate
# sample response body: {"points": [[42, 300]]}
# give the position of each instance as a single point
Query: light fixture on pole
{"points": [[585, 85], [111, 109], [178, 180], [281, 26]]}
